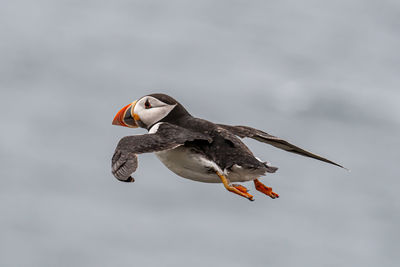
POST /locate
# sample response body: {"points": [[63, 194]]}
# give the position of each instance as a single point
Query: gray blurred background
{"points": [[321, 74]]}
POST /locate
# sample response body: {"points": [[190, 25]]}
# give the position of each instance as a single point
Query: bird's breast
{"points": [[187, 163]]}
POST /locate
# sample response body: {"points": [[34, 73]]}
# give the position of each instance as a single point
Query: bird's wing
{"points": [[245, 131], [124, 161]]}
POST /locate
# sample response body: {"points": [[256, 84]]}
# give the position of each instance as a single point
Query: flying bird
{"points": [[194, 148]]}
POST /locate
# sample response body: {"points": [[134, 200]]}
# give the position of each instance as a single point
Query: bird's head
{"points": [[149, 110]]}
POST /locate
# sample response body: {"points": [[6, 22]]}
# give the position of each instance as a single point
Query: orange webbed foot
{"points": [[237, 189], [244, 191], [241, 188], [265, 189], [241, 191]]}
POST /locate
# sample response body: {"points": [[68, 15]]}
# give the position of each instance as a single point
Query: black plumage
{"points": [[216, 142], [124, 160], [245, 131], [225, 149]]}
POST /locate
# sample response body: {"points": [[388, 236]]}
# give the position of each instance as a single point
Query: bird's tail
{"points": [[270, 169]]}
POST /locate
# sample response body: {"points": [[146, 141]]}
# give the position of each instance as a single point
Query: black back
{"points": [[225, 149]]}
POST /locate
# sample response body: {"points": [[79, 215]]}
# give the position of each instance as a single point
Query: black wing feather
{"points": [[245, 131], [124, 161], [123, 165]]}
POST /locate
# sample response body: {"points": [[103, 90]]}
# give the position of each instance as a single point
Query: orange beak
{"points": [[125, 117]]}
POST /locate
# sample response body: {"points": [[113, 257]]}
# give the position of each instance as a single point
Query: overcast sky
{"points": [[323, 75]]}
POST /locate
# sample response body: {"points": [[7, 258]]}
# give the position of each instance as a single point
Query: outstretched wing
{"points": [[124, 161], [245, 131]]}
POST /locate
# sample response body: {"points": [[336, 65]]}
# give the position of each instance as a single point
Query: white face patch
{"points": [[151, 110], [154, 128]]}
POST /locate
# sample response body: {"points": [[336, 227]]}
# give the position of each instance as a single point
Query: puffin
{"points": [[194, 148]]}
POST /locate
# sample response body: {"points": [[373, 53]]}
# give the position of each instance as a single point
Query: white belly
{"points": [[194, 166]]}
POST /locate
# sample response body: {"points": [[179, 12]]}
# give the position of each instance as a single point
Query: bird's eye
{"points": [[147, 104]]}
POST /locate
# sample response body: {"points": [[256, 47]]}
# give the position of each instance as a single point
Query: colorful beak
{"points": [[125, 118]]}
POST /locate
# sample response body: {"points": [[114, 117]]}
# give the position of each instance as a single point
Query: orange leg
{"points": [[237, 189], [265, 189], [241, 188]]}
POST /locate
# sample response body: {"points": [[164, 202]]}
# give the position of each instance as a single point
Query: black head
{"points": [[149, 110]]}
